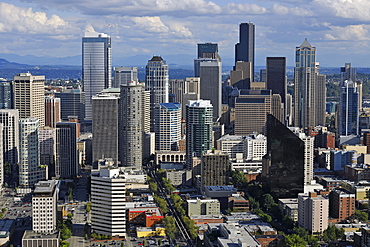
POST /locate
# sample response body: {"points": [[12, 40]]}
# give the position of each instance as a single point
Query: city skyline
{"points": [[54, 28]]}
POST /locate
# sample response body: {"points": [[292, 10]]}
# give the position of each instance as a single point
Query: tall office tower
{"points": [[305, 73], [251, 109], [29, 96], [347, 73], [242, 75], [215, 168], [52, 111], [131, 121], [66, 160], [10, 120], [320, 100], [6, 94], [313, 212], [192, 92], [244, 50], [263, 75], [156, 81], [44, 206], [276, 78], [177, 88], [122, 75], [105, 127], [108, 202], [349, 110], [199, 125], [277, 107], [72, 103], [208, 67], [146, 110], [47, 147], [285, 167], [96, 67], [29, 155], [167, 126]]}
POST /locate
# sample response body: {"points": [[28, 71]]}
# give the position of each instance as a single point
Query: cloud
{"points": [[245, 8], [348, 33], [354, 9], [23, 20], [151, 24]]}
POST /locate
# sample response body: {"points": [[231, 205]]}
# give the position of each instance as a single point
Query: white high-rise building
{"points": [[108, 202], [313, 212], [44, 207], [10, 118], [29, 96], [167, 126], [29, 155], [256, 147], [96, 67]]}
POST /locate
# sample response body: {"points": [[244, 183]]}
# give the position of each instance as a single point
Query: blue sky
{"points": [[339, 29]]}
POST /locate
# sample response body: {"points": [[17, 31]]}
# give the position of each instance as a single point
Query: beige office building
{"points": [[29, 96]]}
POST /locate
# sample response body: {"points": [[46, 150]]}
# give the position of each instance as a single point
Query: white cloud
{"points": [[348, 33], [23, 20], [356, 9], [151, 24], [245, 9]]}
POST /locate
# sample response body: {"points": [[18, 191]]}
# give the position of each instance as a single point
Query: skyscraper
{"points": [[167, 126], [72, 104], [96, 67], [9, 118], [349, 110], [208, 67], [1, 157], [131, 124], [52, 111], [244, 50], [6, 94], [347, 73], [66, 160], [29, 96], [105, 127], [156, 81], [29, 154], [198, 128], [305, 73], [276, 77], [122, 75]]}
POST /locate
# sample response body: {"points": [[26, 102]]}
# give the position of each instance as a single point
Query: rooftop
{"points": [[29, 234]]}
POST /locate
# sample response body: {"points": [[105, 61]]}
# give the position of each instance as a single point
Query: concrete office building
{"points": [[29, 96], [167, 126], [47, 147], [215, 168], [208, 67], [29, 154], [232, 145], [72, 103], [108, 202], [255, 147], [52, 111], [251, 109], [123, 75], [203, 207], [10, 141], [131, 120], [105, 108], [313, 212], [244, 50], [66, 160], [320, 101], [198, 128], [44, 207], [192, 92], [177, 88], [156, 81], [96, 67], [242, 75], [6, 94]]}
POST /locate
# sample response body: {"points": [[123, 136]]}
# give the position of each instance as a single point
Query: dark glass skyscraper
{"points": [[349, 109], [244, 50], [6, 95]]}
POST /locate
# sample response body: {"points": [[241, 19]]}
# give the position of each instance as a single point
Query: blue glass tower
{"points": [[6, 95], [349, 109]]}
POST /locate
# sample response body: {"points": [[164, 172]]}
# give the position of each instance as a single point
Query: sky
{"points": [[339, 29]]}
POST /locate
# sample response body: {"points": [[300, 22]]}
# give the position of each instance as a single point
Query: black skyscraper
{"points": [[244, 50], [275, 76]]}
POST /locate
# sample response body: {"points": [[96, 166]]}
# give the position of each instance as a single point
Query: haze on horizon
{"points": [[339, 29]]}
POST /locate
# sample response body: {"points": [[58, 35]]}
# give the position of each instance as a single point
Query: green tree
{"points": [[170, 226], [332, 233], [295, 240], [64, 244], [190, 225], [267, 202], [312, 241], [239, 179], [3, 210], [153, 187], [300, 231], [361, 216], [88, 207], [69, 216]]}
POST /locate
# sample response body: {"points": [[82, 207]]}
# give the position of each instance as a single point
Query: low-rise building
{"points": [[32, 239], [203, 207], [341, 204], [289, 207], [6, 230], [238, 203], [181, 177], [146, 217]]}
